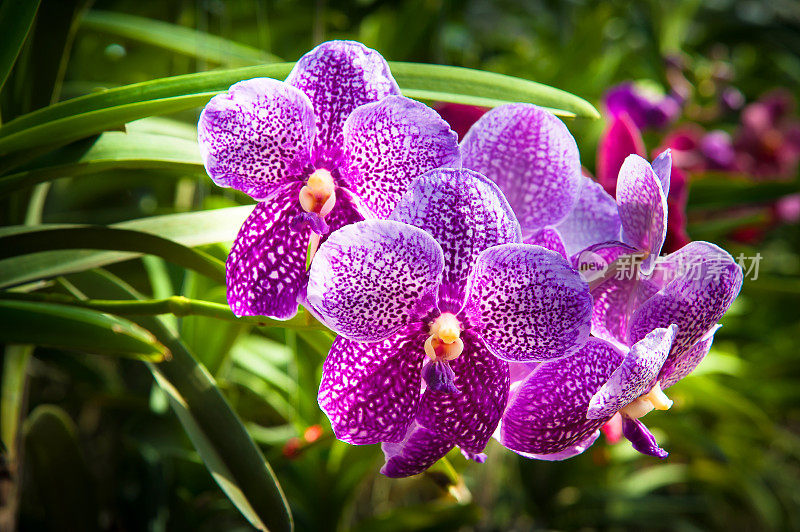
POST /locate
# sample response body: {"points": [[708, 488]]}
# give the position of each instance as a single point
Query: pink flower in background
{"points": [[645, 107], [768, 140], [459, 116]]}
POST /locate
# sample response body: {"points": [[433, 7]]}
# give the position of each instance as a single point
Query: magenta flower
{"points": [[556, 411], [430, 306], [332, 145]]}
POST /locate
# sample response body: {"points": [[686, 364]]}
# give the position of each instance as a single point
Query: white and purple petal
{"points": [[469, 417], [707, 280], [635, 376], [527, 303], [662, 166], [532, 156], [549, 238], [257, 136], [546, 414], [466, 213], [387, 144], [371, 278], [266, 268], [593, 220], [420, 449], [370, 391], [569, 452], [642, 208], [339, 76], [681, 364], [615, 301]]}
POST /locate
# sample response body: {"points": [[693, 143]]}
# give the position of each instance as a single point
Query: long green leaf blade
{"points": [[16, 19], [110, 151], [188, 229], [176, 38], [79, 329], [74, 119], [46, 238]]}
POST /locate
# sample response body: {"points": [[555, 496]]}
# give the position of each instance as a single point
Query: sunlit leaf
{"points": [[176, 38], [78, 329]]}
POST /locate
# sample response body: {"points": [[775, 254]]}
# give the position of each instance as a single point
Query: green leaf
{"points": [[15, 367], [49, 325], [46, 238], [216, 432], [176, 38], [16, 19], [187, 229], [58, 470], [110, 151], [93, 113], [723, 190]]}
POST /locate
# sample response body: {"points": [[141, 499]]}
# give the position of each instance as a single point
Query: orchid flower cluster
{"points": [[450, 271]]}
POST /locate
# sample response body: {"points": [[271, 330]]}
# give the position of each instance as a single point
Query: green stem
{"points": [[175, 305]]}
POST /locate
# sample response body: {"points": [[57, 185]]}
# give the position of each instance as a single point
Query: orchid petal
{"points": [[594, 219], [621, 139], [549, 238], [546, 414], [266, 267], [257, 136], [642, 209], [662, 166], [569, 452], [391, 142], [706, 281], [370, 390], [371, 278], [466, 214], [635, 376], [682, 364], [338, 76], [527, 303], [615, 300], [420, 449], [641, 438], [470, 417], [532, 156]]}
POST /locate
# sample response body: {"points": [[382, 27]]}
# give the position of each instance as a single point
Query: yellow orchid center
{"points": [[655, 399], [444, 342], [319, 193]]}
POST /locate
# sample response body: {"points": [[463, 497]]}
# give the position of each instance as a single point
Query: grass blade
{"points": [[16, 19]]}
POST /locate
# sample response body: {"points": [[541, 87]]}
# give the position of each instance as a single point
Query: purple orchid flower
{"points": [[332, 145], [645, 108], [430, 307], [557, 409]]}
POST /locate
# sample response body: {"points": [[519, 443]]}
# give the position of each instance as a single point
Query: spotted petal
{"points": [[470, 417], [635, 376], [532, 156], [642, 209], [257, 136], [547, 413], [467, 214], [266, 268], [615, 300], [569, 452], [390, 143], [527, 303], [371, 278], [370, 390], [706, 283], [339, 76], [594, 219], [420, 449], [682, 364]]}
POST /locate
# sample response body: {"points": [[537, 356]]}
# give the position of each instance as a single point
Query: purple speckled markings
{"points": [[406, 294], [555, 411], [333, 144]]}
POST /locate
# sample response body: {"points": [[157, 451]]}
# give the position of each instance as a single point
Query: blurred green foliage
{"points": [[97, 442]]}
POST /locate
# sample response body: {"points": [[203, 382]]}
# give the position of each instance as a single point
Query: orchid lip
{"points": [[444, 342], [655, 399], [319, 193]]}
